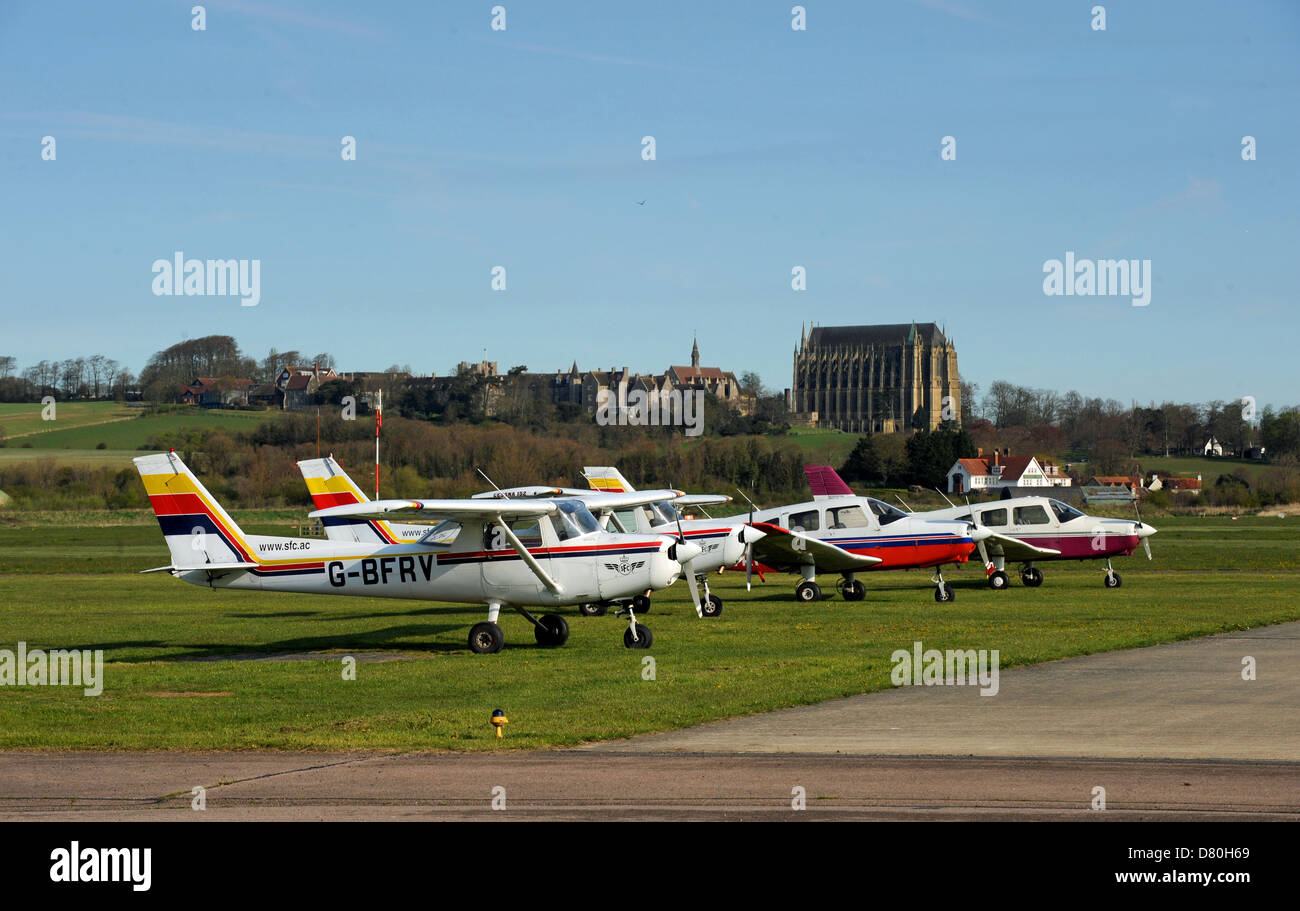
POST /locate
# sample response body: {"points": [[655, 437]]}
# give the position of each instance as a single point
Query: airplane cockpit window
{"points": [[808, 521], [663, 512], [1064, 512], [1032, 515], [846, 517], [994, 518], [528, 530], [886, 513], [442, 534], [574, 519]]}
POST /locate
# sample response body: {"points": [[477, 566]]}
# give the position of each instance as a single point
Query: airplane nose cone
{"points": [[1146, 531], [684, 551], [979, 532]]}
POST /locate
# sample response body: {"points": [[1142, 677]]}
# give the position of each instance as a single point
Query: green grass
{"points": [[1191, 466], [423, 689], [127, 431]]}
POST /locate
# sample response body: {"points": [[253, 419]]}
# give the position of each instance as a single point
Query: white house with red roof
{"points": [[1004, 470]]}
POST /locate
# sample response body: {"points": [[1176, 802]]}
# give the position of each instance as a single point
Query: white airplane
{"points": [[1040, 529], [721, 543], [502, 553]]}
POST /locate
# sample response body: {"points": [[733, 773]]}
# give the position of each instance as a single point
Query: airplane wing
{"points": [[601, 503], [702, 499], [516, 493], [431, 512], [781, 548], [1016, 549]]}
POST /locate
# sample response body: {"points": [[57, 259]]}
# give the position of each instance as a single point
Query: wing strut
{"points": [[531, 561]]}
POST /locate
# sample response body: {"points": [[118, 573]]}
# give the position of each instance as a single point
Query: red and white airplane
{"points": [[500, 553], [1027, 530], [1030, 530], [840, 532]]}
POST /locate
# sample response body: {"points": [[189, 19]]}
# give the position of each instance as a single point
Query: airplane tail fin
{"points": [[198, 531], [826, 482], [329, 485], [607, 480]]}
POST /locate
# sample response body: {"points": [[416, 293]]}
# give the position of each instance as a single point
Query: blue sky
{"points": [[774, 148]]}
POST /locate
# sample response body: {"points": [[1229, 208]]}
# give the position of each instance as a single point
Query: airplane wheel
{"points": [[946, 594], [593, 609], [998, 581], [643, 637], [854, 591], [551, 630], [1032, 577], [641, 604], [1113, 580], [712, 606], [807, 591], [486, 639]]}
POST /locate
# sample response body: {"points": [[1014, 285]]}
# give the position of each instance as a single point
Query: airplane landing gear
{"points": [[853, 589], [641, 604], [593, 609], [551, 631], [807, 590], [1112, 578], [486, 639], [998, 580], [942, 592], [1031, 576], [711, 606]]}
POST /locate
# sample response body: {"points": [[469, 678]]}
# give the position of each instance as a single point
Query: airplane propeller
{"points": [[749, 546], [979, 542], [690, 552], [1138, 529]]}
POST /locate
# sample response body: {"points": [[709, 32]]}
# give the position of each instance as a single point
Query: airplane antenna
{"points": [[486, 478], [905, 506], [940, 493]]}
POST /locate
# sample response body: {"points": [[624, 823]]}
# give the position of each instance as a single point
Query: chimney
{"points": [[979, 453], [997, 457]]}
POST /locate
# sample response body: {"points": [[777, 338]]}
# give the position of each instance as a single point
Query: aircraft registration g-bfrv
{"points": [[501, 553]]}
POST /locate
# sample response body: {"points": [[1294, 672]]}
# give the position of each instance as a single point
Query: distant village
{"points": [[297, 386]]}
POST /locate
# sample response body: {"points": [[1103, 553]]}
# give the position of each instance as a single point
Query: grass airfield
{"points": [[193, 669]]}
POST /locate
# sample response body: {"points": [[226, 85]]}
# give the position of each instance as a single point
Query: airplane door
{"points": [[503, 568]]}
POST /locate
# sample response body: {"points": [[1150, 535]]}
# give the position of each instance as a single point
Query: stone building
{"points": [[875, 379]]}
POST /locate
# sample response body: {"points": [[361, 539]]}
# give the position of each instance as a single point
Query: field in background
{"points": [[192, 668]]}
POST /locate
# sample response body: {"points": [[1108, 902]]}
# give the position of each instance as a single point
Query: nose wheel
{"points": [[1112, 579], [942, 593], [853, 590], [1031, 576], [711, 606]]}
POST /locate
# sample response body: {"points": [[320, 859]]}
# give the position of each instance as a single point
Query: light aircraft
{"points": [[723, 542], [840, 532], [631, 512], [1028, 530], [502, 553]]}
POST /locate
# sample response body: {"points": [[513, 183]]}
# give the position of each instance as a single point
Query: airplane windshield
{"points": [[574, 519], [664, 513], [886, 513], [1063, 512]]}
